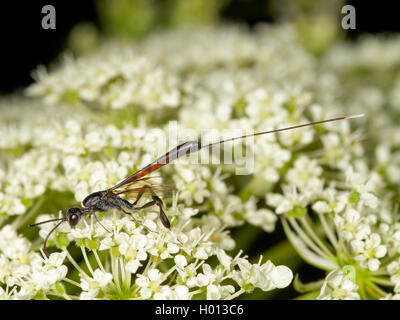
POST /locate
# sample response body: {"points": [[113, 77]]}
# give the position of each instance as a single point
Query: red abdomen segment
{"points": [[175, 153]]}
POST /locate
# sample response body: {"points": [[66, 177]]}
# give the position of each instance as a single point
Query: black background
{"points": [[24, 44]]}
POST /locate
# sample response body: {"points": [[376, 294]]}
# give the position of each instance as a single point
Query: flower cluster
{"points": [[165, 264], [104, 81], [97, 118], [24, 272], [339, 286]]}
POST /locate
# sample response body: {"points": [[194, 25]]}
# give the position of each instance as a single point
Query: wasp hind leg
{"points": [[159, 203], [163, 217], [156, 201]]}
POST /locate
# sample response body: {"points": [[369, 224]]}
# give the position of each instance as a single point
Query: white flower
{"points": [[13, 246], [11, 205], [362, 188], [90, 79], [369, 251], [304, 172], [188, 274], [150, 283], [394, 270], [191, 185], [225, 259], [214, 276], [269, 158], [133, 249], [180, 261], [264, 276], [56, 259], [351, 225], [281, 276], [297, 137], [95, 140], [217, 291], [337, 286], [289, 201], [91, 286], [181, 293], [264, 218], [334, 201], [213, 292], [197, 244]]}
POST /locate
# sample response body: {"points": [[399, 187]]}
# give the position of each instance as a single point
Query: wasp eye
{"points": [[74, 216], [73, 219]]}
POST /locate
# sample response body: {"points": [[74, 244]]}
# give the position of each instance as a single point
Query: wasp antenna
{"points": [[51, 231], [355, 116], [42, 222]]}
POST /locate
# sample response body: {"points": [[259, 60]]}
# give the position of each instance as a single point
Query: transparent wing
{"points": [[146, 186]]}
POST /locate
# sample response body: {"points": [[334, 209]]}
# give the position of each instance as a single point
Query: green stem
{"points": [[235, 295], [381, 281], [65, 296], [363, 294], [305, 238], [329, 232], [114, 270], [71, 259], [306, 287], [123, 272], [317, 240], [86, 260], [98, 260], [303, 251], [72, 282], [375, 290]]}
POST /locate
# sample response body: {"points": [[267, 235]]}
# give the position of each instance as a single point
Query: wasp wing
{"points": [[147, 187]]}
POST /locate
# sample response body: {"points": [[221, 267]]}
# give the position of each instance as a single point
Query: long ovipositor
{"points": [[194, 146]]}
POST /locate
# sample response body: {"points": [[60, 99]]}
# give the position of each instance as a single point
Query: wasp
{"points": [[138, 185]]}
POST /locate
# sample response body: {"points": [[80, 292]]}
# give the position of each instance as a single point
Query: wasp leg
{"points": [[140, 194], [163, 216], [137, 221], [156, 201], [148, 204], [97, 219], [91, 210]]}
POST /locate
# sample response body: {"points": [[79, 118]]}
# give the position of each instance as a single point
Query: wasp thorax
{"points": [[73, 216]]}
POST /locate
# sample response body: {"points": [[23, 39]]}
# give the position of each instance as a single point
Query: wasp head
{"points": [[73, 216]]}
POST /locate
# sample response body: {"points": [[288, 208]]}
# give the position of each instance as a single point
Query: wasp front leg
{"points": [[97, 219], [137, 221]]}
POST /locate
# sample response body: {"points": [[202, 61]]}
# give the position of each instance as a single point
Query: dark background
{"points": [[24, 44]]}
